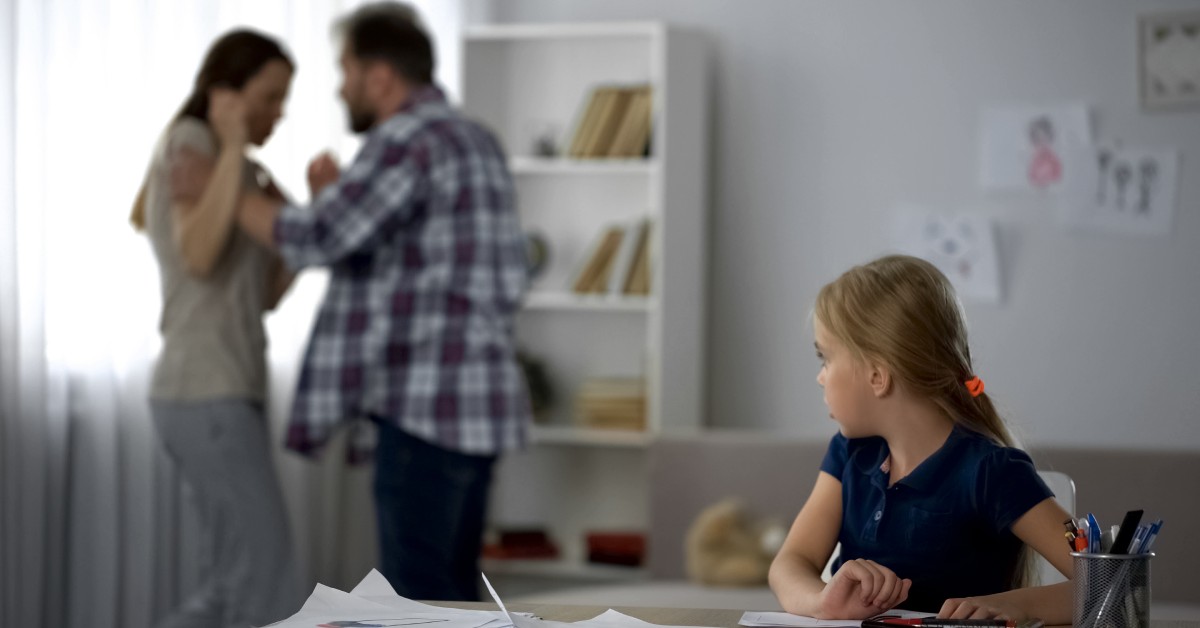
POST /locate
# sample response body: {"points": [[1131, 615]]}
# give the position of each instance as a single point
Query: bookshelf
{"points": [[529, 82]]}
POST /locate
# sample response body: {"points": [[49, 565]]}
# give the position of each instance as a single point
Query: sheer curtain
{"points": [[95, 528]]}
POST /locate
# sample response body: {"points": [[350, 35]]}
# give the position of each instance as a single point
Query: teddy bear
{"points": [[727, 546]]}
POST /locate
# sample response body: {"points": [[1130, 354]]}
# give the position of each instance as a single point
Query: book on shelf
{"points": [[591, 275], [615, 122], [617, 261], [586, 122], [612, 403], [616, 547], [631, 240], [633, 134], [637, 282]]}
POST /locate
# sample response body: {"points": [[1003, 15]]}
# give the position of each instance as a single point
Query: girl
{"points": [[209, 384], [934, 506]]}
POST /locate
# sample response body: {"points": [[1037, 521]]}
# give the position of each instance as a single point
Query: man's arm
{"points": [[370, 200]]}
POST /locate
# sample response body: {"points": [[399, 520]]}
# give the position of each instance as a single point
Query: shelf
{"points": [[523, 164], [559, 568], [546, 300], [567, 435]]}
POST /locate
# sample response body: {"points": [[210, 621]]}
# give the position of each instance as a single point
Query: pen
{"points": [[1151, 536], [1093, 534], [933, 622]]}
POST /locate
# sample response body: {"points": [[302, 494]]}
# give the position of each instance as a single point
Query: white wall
{"points": [[828, 112]]}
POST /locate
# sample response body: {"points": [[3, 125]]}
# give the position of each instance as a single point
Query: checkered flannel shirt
{"points": [[427, 269]]}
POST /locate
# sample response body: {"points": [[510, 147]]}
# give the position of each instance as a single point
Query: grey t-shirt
{"points": [[214, 344]]}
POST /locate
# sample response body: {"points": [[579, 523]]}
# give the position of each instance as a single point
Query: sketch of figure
{"points": [[1103, 157], [1146, 182], [1122, 173], [1045, 169]]}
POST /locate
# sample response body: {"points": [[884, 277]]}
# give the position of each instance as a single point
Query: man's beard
{"points": [[360, 121]]}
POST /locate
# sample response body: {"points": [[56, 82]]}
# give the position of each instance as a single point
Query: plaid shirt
{"points": [[427, 264]]}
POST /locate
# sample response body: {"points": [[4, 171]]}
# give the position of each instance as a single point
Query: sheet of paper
{"points": [[374, 604], [615, 619], [962, 246], [760, 619], [1031, 148], [1123, 190]]}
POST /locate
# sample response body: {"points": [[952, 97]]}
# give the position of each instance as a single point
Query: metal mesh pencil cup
{"points": [[1111, 590]]}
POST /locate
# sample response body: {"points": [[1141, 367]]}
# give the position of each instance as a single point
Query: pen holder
{"points": [[1111, 590]]}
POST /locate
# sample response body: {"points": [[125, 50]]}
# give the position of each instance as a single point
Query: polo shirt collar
{"points": [[929, 473]]}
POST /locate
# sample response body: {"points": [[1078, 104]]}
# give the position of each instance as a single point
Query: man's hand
{"points": [[227, 115], [860, 589], [322, 171]]}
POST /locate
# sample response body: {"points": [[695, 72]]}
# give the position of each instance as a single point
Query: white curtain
{"points": [[95, 528]]}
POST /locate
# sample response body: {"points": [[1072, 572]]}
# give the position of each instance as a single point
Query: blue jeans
{"points": [[431, 504]]}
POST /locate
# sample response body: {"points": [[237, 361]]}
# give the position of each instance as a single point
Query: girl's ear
{"points": [[880, 379]]}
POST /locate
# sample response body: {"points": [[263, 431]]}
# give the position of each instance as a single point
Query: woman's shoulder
{"points": [[191, 133]]}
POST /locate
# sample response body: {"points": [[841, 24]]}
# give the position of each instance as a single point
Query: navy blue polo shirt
{"points": [[947, 525]]}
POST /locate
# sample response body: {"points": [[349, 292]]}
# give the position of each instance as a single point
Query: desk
{"points": [[673, 616]]}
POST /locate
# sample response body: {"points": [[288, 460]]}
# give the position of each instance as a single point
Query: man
{"points": [[427, 264]]}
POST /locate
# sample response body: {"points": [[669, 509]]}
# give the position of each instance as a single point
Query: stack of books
{"points": [[525, 543], [614, 124], [617, 262], [616, 548], [612, 404]]}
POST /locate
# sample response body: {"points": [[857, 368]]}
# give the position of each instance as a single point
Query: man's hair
{"points": [[390, 32]]}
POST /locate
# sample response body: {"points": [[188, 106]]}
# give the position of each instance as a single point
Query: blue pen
{"points": [[1093, 534], [1139, 535], [1150, 532], [1150, 536]]}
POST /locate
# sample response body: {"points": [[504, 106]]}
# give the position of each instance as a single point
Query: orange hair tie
{"points": [[974, 386]]}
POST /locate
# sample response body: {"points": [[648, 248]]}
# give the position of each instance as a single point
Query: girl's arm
{"points": [[860, 589], [1042, 529], [205, 192]]}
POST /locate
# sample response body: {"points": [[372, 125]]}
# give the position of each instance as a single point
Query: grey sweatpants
{"points": [[222, 449]]}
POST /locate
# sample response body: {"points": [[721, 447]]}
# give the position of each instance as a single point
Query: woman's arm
{"points": [[860, 589], [279, 279], [205, 191], [1042, 529]]}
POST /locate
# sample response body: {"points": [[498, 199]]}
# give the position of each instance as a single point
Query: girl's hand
{"points": [[860, 589], [227, 115], [978, 608]]}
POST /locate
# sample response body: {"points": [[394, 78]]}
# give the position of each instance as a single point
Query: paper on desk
{"points": [[616, 619], [764, 619], [376, 605]]}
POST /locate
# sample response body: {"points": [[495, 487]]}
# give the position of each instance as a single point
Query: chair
{"points": [[1064, 493]]}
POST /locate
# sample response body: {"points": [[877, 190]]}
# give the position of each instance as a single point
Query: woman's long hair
{"points": [[231, 62], [903, 312]]}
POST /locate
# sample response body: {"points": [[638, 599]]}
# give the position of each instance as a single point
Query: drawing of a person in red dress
{"points": [[1045, 169]]}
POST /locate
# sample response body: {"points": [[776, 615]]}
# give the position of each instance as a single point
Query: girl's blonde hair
{"points": [[901, 311]]}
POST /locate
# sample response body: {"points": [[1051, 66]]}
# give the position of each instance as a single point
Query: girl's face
{"points": [[265, 94], [846, 384]]}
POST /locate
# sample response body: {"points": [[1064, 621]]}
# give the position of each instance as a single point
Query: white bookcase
{"points": [[523, 80]]}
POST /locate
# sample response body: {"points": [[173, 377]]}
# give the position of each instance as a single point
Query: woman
{"points": [[209, 385]]}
